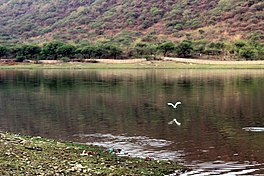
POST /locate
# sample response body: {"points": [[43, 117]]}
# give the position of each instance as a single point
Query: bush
{"points": [[50, 50], [145, 49], [185, 48], [87, 51], [240, 44], [66, 50], [260, 53], [27, 52], [248, 53], [212, 51], [166, 47], [3, 51]]}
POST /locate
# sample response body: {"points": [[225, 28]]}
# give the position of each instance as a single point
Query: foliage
{"points": [[199, 46], [3, 51], [166, 47], [247, 52], [113, 51], [99, 50], [66, 50], [185, 48], [144, 49], [87, 51], [69, 20], [214, 48], [27, 52], [50, 50], [110, 49]]}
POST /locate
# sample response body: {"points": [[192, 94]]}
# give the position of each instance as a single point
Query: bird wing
{"points": [[170, 122], [178, 123], [171, 104], [174, 120]]}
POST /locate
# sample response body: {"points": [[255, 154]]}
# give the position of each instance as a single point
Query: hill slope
{"points": [[74, 20]]}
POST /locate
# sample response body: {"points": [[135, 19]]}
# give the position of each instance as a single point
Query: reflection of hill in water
{"points": [[217, 104]]}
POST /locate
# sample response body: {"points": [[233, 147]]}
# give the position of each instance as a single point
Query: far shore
{"points": [[178, 60], [165, 63]]}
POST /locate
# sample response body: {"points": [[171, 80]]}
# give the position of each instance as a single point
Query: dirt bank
{"points": [[214, 62]]}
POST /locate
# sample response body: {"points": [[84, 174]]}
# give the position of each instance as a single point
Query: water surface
{"points": [[128, 109]]}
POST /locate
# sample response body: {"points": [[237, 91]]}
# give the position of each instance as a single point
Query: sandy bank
{"points": [[214, 62]]}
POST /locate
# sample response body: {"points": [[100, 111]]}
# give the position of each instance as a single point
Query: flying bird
{"points": [[174, 105], [174, 120]]}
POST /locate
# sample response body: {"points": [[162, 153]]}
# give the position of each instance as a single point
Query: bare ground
{"points": [[214, 62], [165, 59], [183, 60]]}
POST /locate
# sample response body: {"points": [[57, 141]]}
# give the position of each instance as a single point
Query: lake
{"points": [[221, 115]]}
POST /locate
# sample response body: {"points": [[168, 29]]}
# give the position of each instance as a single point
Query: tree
{"points": [[260, 53], [166, 47], [99, 51], [144, 49], [185, 48], [87, 51], [112, 50], [3, 51], [50, 50], [217, 45], [66, 50], [255, 37], [215, 48], [27, 52], [248, 52], [239, 44], [199, 46]]}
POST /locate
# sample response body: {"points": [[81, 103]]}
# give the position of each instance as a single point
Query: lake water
{"points": [[221, 115]]}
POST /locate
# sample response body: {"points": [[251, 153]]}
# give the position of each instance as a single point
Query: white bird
{"points": [[174, 105], [174, 120]]}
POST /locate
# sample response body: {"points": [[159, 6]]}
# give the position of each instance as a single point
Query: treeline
{"points": [[58, 50], [187, 48]]}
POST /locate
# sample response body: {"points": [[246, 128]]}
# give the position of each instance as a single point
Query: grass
{"points": [[25, 155], [145, 65]]}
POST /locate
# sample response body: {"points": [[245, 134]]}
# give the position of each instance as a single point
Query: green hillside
{"points": [[39, 21]]}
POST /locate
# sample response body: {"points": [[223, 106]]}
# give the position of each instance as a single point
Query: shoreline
{"points": [[215, 62], [40, 156], [166, 63]]}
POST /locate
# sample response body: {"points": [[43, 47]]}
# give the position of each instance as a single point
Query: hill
{"points": [[39, 21]]}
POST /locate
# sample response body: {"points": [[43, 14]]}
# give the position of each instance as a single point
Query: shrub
{"points": [[166, 47], [145, 49], [27, 52], [248, 52], [185, 48], [240, 44], [50, 50], [87, 51], [3, 51], [66, 50]]}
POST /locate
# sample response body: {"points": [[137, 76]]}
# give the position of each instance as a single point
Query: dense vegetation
{"points": [[84, 29], [187, 48], [74, 20]]}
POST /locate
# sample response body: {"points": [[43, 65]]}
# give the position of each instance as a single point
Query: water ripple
{"points": [[221, 168], [134, 146], [254, 129]]}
